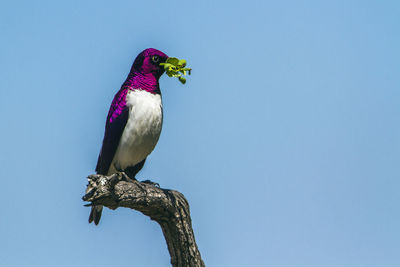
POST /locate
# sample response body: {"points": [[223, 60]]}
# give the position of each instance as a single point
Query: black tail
{"points": [[95, 214]]}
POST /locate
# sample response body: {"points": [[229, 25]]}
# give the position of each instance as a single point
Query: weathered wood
{"points": [[167, 207]]}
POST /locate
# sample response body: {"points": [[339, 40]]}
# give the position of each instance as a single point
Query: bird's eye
{"points": [[155, 59]]}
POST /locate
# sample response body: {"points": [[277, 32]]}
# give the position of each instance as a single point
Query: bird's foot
{"points": [[127, 178], [151, 183]]}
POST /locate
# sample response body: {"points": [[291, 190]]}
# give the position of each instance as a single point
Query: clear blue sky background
{"points": [[285, 139]]}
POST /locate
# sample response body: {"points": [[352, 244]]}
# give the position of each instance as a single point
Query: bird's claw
{"points": [[151, 183]]}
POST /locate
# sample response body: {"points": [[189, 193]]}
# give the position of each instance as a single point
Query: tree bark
{"points": [[168, 208]]}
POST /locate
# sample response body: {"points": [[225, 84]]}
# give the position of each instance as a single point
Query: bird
{"points": [[134, 121]]}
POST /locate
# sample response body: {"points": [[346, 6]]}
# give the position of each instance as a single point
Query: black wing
{"points": [[115, 125]]}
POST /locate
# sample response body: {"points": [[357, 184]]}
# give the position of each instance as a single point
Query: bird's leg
{"points": [[128, 178], [126, 174]]}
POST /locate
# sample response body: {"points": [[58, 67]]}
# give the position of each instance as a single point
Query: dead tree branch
{"points": [[168, 208]]}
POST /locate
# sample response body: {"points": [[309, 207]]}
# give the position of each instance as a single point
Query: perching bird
{"points": [[134, 121]]}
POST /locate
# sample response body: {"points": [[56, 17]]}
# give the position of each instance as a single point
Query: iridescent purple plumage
{"points": [[144, 75]]}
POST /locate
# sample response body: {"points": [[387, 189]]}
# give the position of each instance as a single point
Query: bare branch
{"points": [[167, 207]]}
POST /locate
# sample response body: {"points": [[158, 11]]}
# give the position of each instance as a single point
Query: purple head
{"points": [[148, 62]]}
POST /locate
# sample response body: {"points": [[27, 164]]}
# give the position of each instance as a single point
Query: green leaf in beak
{"points": [[175, 68], [182, 79]]}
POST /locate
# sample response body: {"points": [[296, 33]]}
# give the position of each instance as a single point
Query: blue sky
{"points": [[285, 139]]}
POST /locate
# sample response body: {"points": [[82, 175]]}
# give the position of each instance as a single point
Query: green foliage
{"points": [[176, 68]]}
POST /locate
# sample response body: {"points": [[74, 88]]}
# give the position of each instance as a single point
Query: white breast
{"points": [[142, 130]]}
